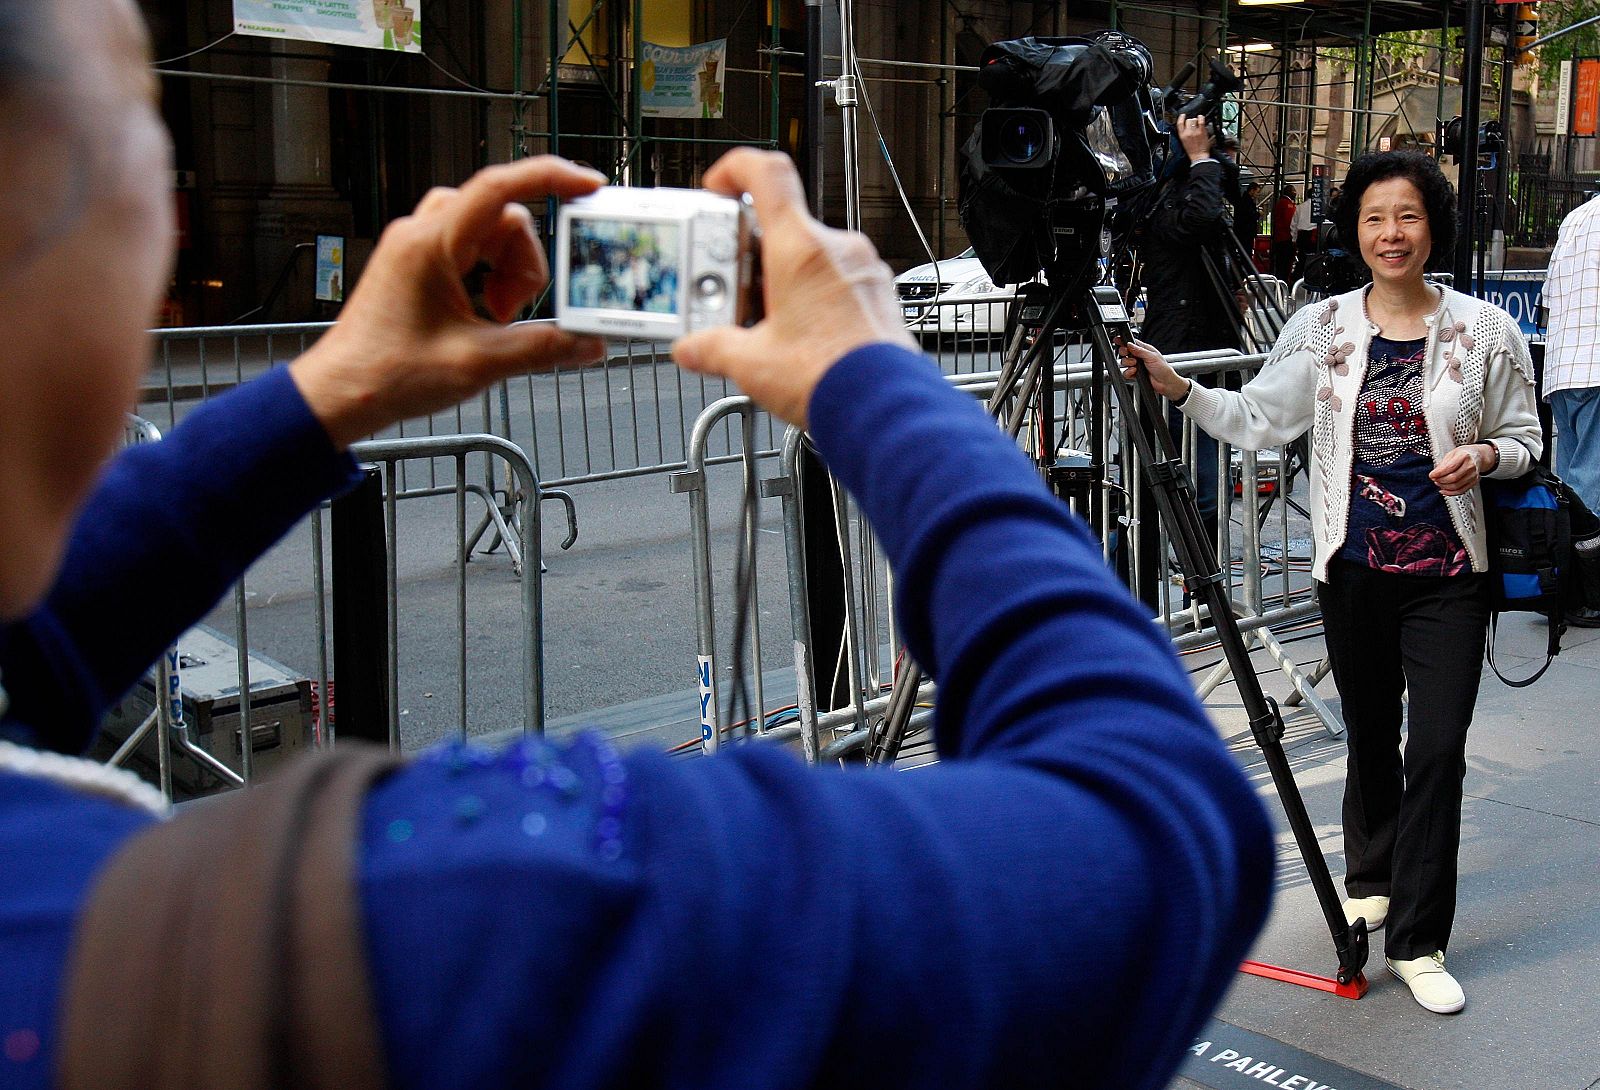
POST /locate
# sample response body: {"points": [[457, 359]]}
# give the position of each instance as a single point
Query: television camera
{"points": [[1071, 150]]}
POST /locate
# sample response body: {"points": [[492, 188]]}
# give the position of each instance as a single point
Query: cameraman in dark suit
{"points": [[1185, 310]]}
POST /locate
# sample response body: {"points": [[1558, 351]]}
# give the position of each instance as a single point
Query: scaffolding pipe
{"points": [[1502, 181], [773, 73], [1371, 64], [1438, 112], [845, 96], [1283, 119], [636, 96], [946, 121], [329, 85], [929, 65], [814, 106], [553, 118], [1471, 109]]}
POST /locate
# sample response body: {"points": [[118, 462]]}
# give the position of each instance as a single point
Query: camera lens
{"points": [[1022, 140]]}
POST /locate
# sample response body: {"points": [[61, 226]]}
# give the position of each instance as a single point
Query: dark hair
{"points": [[1438, 199]]}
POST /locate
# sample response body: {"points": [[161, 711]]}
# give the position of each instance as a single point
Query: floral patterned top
{"points": [[1398, 518]]}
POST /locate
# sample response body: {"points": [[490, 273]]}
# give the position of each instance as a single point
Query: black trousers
{"points": [[1283, 261], [1390, 634]]}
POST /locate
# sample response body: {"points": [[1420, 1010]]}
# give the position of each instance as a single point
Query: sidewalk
{"points": [[1526, 945]]}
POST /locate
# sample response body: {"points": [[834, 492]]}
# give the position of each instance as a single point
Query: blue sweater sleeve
{"points": [[169, 527], [1063, 899]]}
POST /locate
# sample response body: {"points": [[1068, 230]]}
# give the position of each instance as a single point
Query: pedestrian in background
{"points": [[1304, 229], [1247, 216], [1572, 361], [1283, 210]]}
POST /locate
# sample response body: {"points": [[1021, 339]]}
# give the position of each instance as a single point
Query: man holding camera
{"points": [[1187, 308]]}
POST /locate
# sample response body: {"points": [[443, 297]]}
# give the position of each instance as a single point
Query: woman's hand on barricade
{"points": [[1459, 471], [826, 293], [1167, 382], [409, 341]]}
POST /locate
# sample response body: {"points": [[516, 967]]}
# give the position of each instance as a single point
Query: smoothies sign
{"points": [[684, 82], [372, 24]]}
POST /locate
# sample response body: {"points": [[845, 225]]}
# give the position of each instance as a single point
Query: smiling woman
{"points": [[1413, 394], [1432, 196]]}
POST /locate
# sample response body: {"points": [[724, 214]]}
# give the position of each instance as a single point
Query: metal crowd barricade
{"points": [[392, 453], [630, 417], [167, 720], [1268, 574], [692, 481]]}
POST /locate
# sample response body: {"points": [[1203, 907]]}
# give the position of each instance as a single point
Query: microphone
{"points": [[1174, 88]]}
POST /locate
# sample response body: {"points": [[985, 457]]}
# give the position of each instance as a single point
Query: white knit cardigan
{"points": [[1477, 387]]}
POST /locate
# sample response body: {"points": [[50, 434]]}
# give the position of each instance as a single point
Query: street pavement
{"points": [[1526, 944]]}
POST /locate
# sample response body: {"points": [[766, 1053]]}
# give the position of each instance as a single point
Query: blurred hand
{"points": [[1167, 382], [408, 342], [1459, 471], [826, 293], [1195, 137]]}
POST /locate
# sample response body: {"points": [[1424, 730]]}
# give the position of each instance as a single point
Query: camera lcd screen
{"points": [[624, 265]]}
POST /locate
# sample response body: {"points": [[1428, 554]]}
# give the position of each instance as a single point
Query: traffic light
{"points": [[1525, 31]]}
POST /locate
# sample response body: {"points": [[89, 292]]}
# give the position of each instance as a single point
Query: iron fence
{"points": [[1542, 196]]}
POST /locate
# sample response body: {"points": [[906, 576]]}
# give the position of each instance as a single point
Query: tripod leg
{"points": [[897, 717], [1302, 685], [1277, 319]]}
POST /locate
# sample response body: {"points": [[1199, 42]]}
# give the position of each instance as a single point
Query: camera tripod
{"points": [[1028, 375]]}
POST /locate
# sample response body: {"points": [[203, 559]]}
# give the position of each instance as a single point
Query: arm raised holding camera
{"points": [[1070, 890]]}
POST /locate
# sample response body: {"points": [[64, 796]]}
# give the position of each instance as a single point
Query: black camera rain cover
{"points": [[1070, 78], [1067, 76]]}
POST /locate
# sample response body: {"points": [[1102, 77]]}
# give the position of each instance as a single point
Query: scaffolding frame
{"points": [[1295, 80]]}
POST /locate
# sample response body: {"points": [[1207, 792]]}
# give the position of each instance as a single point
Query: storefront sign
{"points": [[372, 24], [683, 82]]}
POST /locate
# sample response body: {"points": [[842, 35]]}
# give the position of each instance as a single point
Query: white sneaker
{"points": [[1375, 909], [1430, 985]]}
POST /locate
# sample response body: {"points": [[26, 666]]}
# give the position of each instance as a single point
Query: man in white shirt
{"points": [[1572, 358], [1303, 229]]}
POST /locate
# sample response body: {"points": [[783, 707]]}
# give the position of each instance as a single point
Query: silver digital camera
{"points": [[654, 263]]}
